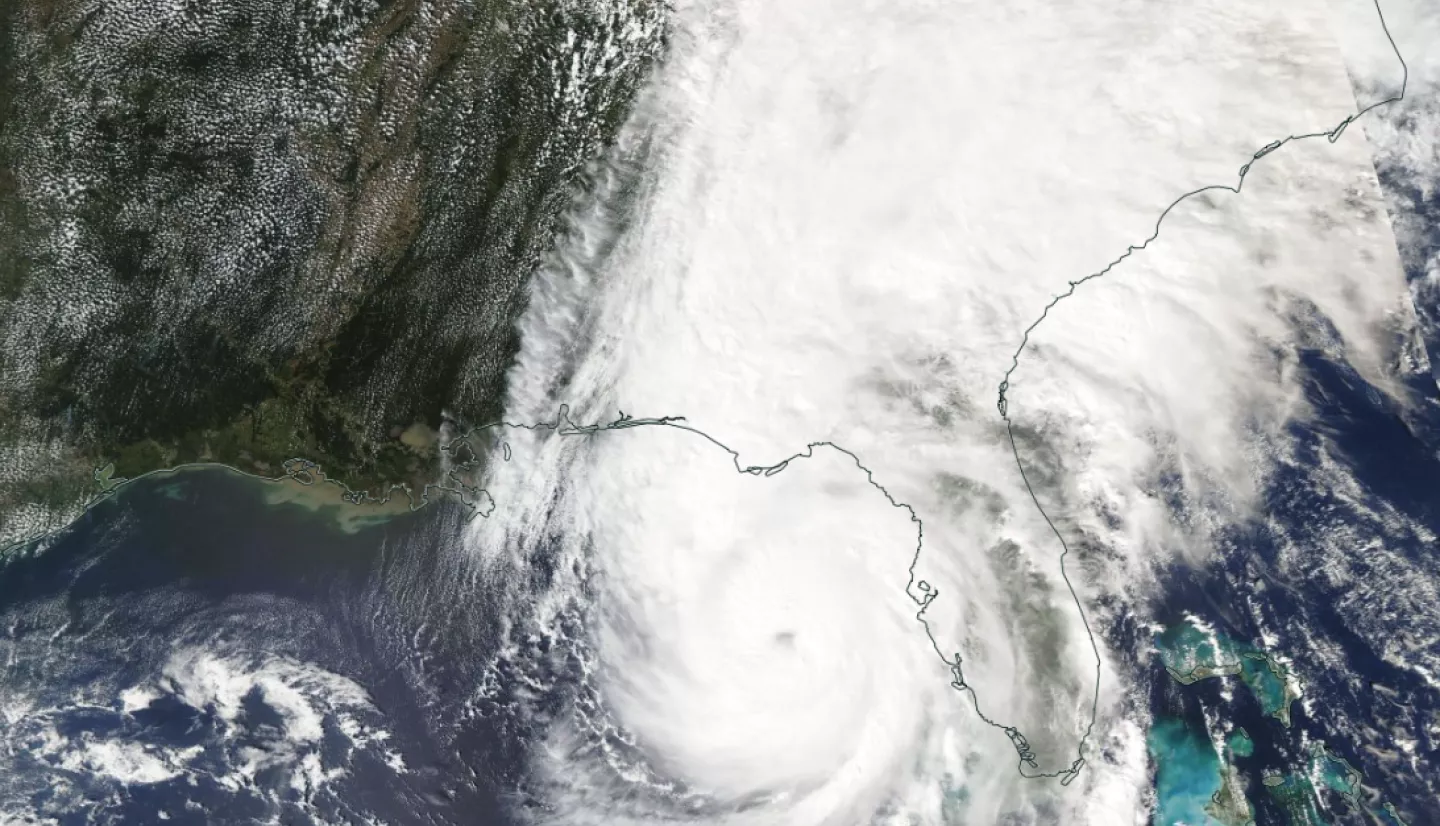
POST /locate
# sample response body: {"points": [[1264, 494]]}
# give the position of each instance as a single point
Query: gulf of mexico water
{"points": [[190, 652]]}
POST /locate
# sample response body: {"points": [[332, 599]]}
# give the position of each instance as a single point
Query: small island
{"points": [[1191, 653]]}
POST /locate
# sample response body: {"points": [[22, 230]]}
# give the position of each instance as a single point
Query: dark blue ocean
{"points": [[187, 653], [1337, 577]]}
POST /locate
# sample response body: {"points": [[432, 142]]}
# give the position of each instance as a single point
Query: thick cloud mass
{"points": [[834, 221]]}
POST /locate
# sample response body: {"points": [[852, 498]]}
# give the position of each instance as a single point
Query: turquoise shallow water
{"points": [[1299, 782], [1191, 654], [1240, 743], [1188, 774]]}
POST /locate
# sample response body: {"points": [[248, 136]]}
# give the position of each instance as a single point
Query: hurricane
{"points": [[820, 579], [919, 412]]}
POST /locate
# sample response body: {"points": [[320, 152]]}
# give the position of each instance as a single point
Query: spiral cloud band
{"points": [[766, 258]]}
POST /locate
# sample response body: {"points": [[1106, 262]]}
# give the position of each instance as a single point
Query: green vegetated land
{"points": [[252, 230]]}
